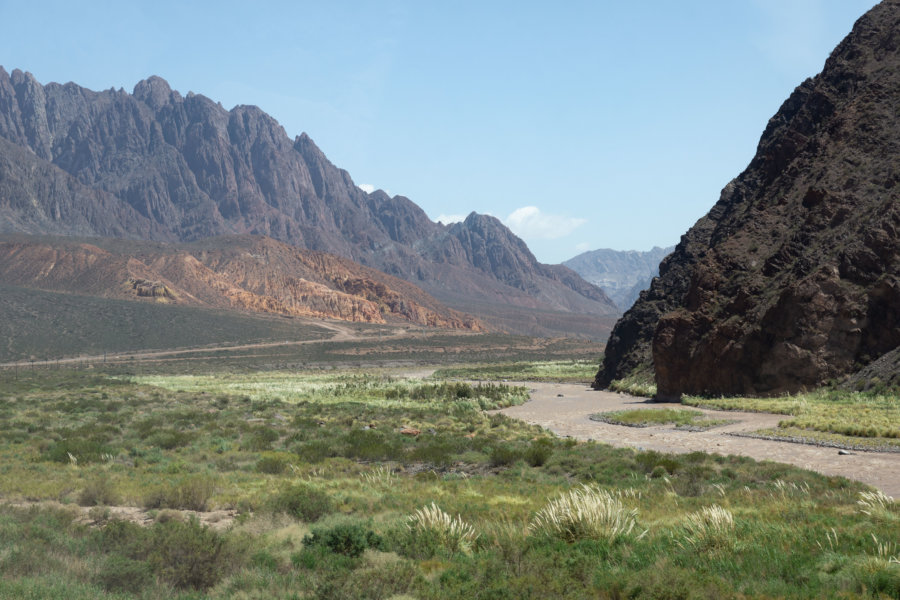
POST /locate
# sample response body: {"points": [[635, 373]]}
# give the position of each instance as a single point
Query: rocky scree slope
{"points": [[793, 277], [157, 165]]}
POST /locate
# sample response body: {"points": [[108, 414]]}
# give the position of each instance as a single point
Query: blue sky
{"points": [[582, 125]]}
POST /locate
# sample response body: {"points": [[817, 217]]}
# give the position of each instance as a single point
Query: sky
{"points": [[579, 124]]}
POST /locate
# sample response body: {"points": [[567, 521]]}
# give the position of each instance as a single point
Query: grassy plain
{"points": [[364, 484]]}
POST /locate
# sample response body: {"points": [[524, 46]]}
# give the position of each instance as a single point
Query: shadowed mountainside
{"points": [[160, 166], [793, 277]]}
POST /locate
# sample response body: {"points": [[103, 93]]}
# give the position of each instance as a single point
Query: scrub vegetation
{"points": [[568, 371], [354, 484]]}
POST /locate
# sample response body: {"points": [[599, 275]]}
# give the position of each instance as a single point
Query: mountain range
{"points": [[159, 166], [793, 277], [623, 275]]}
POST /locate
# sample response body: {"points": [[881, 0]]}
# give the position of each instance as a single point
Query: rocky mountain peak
{"points": [[156, 165], [154, 92]]}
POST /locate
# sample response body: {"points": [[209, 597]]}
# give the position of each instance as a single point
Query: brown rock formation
{"points": [[793, 277], [239, 272]]}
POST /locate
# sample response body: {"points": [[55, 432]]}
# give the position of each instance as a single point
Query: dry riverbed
{"points": [[565, 409]]}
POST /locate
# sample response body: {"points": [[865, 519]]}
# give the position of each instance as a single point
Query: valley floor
{"points": [[565, 409]]}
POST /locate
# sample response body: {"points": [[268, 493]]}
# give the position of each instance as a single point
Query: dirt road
{"points": [[569, 415]]}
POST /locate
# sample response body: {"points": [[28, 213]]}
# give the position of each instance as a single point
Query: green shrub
{"points": [[301, 501], [123, 574], [79, 451], [349, 539], [539, 452], [362, 444], [170, 439], [272, 465], [187, 554], [98, 491], [191, 493], [504, 455], [259, 439], [315, 451], [652, 459]]}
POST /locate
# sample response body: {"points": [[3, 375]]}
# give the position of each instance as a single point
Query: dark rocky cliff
{"points": [[157, 165], [793, 277]]}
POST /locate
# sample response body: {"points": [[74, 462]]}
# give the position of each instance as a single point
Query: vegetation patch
{"points": [[566, 371], [863, 420], [355, 484], [682, 418], [639, 383]]}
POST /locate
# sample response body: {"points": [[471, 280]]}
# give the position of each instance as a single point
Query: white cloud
{"points": [[447, 219], [583, 247], [366, 187], [530, 223]]}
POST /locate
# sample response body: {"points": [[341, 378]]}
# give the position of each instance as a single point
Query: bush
{"points": [[301, 501], [271, 465], [189, 555], [80, 451], [170, 439], [539, 452], [504, 455], [349, 539], [260, 439], [98, 491], [192, 493], [123, 574]]}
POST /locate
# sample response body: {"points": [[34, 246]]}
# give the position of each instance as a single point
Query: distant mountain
{"points": [[623, 275], [793, 277], [247, 273], [160, 166]]}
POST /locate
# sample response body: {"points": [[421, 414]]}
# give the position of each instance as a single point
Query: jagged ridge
{"points": [[157, 165]]}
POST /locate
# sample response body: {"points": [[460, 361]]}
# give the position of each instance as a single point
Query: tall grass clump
{"points": [[587, 512], [875, 503], [435, 529], [708, 529]]}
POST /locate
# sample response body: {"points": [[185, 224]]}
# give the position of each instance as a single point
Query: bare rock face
{"points": [[793, 277], [157, 165]]}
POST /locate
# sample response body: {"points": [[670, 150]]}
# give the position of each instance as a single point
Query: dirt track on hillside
{"points": [[569, 416]]}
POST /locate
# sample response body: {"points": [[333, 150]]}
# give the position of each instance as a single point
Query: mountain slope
{"points": [[623, 275], [246, 273], [157, 165], [793, 277]]}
